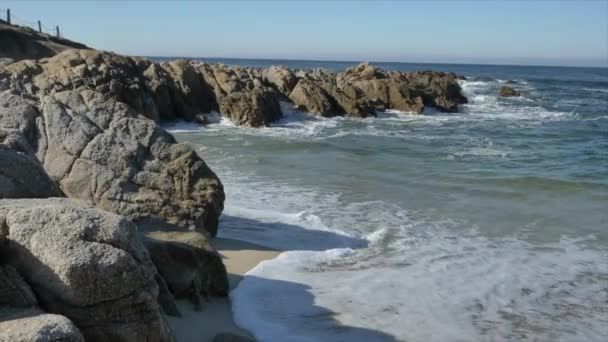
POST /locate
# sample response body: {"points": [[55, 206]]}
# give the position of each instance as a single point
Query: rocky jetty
{"points": [[104, 218], [248, 96]]}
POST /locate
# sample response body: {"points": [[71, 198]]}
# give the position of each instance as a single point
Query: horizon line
{"points": [[603, 66]]}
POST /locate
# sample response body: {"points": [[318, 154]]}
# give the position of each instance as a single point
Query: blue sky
{"points": [[501, 32]]}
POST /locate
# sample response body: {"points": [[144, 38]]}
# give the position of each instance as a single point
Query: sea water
{"points": [[490, 224]]}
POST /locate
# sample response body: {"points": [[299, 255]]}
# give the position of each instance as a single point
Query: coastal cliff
{"points": [[104, 218]]}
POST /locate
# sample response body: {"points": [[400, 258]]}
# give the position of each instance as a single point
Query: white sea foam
{"points": [[484, 107], [182, 127], [397, 278], [484, 104], [429, 285], [361, 270], [214, 118], [601, 90]]}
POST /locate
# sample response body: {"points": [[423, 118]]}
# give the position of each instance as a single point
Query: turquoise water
{"points": [[488, 224]]}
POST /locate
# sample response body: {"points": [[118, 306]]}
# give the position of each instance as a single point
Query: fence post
{"points": [[39, 26], [8, 16], [58, 35]]}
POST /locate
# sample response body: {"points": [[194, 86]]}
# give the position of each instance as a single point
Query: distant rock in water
{"points": [[506, 91]]}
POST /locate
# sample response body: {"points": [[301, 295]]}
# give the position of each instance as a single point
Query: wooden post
{"points": [[58, 35], [8, 16], [39, 26]]}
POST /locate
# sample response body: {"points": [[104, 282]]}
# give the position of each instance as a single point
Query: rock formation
{"points": [[85, 264], [506, 91], [248, 96], [106, 263], [22, 320], [23, 42], [100, 150], [189, 264]]}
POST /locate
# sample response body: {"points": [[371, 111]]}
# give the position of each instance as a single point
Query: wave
{"points": [[373, 271], [420, 282], [601, 90], [359, 269], [485, 108]]}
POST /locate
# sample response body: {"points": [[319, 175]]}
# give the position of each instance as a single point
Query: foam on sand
{"points": [[436, 288]]}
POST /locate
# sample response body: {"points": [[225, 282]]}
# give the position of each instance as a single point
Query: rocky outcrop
{"points": [[25, 43], [22, 175], [240, 94], [506, 91], [190, 265], [22, 320], [99, 149], [83, 123], [283, 79], [363, 90], [85, 264], [248, 96], [14, 291], [35, 325], [311, 97]]}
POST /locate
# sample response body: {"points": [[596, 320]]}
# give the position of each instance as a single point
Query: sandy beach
{"points": [[239, 257]]}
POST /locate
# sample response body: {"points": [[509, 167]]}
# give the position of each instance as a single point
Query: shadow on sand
{"points": [[277, 310], [280, 310]]}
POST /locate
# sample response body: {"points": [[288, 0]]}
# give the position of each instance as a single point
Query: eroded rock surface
{"points": [[85, 264], [22, 320], [184, 89], [96, 148], [23, 42], [35, 325], [83, 123], [189, 263]]}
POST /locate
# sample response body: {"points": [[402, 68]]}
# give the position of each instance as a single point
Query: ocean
{"points": [[490, 224]]}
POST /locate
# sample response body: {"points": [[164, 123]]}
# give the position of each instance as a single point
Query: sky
{"points": [[490, 32]]}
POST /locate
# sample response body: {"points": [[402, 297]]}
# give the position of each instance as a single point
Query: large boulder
{"points": [[363, 72], [34, 325], [309, 96], [22, 320], [14, 291], [196, 96], [99, 150], [437, 89], [506, 91], [257, 107], [85, 264], [189, 263], [283, 79], [22, 175], [241, 95]]}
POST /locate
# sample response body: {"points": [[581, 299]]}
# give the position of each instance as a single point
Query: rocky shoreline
{"points": [[104, 219]]}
